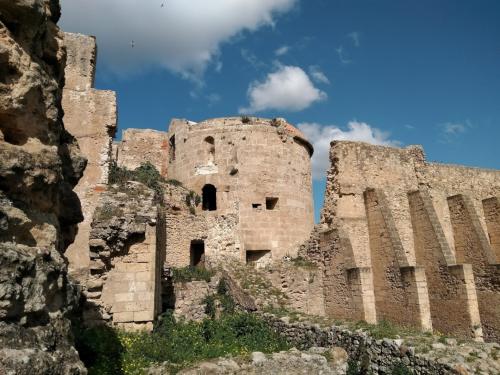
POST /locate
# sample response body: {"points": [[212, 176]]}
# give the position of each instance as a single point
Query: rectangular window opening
{"points": [[258, 258], [171, 148], [271, 203], [197, 253], [256, 206]]}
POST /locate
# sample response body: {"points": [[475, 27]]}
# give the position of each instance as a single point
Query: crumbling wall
{"points": [[424, 248], [40, 163], [127, 247], [138, 146], [186, 224], [302, 285], [90, 115]]}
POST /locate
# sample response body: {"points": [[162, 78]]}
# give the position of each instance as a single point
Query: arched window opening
{"points": [[210, 147], [209, 194]]}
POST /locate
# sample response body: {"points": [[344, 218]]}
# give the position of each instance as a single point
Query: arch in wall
{"points": [[209, 197], [210, 147]]}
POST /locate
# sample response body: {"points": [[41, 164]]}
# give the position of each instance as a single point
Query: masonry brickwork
{"points": [[260, 170], [139, 146], [90, 116], [424, 234], [127, 247]]}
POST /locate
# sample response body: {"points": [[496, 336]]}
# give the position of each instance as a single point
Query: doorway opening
{"points": [[197, 253]]}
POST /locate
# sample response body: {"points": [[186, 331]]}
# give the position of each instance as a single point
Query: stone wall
{"points": [[301, 284], [381, 356], [423, 234], [127, 248], [90, 115], [40, 163], [138, 146], [261, 172]]}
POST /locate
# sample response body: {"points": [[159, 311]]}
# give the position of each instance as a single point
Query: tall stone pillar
{"points": [[90, 115]]}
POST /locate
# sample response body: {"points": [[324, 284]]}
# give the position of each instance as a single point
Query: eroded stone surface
{"points": [[40, 163]]}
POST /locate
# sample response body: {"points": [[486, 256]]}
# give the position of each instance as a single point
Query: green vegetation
{"points": [[108, 351], [385, 329], [107, 212], [190, 273], [222, 300], [303, 263], [354, 368], [174, 182], [192, 201], [146, 174], [401, 369], [245, 119]]}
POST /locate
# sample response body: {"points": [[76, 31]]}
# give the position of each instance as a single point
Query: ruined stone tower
{"points": [[255, 170]]}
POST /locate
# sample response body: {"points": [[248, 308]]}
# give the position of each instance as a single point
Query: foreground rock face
{"points": [[40, 163]]}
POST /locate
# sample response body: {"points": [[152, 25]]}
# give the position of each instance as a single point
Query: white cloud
{"points": [[317, 75], [355, 38], [342, 55], [321, 135], [450, 132], [251, 58], [282, 51], [454, 129], [287, 89], [183, 36]]}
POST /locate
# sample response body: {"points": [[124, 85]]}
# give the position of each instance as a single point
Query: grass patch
{"points": [[385, 329], [181, 344], [190, 273], [303, 263]]}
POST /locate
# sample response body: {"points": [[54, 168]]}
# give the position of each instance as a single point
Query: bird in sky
{"points": [[132, 44], [162, 5]]}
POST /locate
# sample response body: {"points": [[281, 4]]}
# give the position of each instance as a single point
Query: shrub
{"points": [[173, 182], [401, 369], [245, 119], [190, 273], [107, 351], [146, 173], [100, 349], [192, 199]]}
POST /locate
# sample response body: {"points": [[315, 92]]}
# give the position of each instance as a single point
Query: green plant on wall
{"points": [[192, 199], [146, 174]]}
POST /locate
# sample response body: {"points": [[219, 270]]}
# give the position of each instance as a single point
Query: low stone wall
{"points": [[190, 299], [378, 356]]}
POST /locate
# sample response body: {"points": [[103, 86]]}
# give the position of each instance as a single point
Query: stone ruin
{"points": [[409, 241], [400, 239]]}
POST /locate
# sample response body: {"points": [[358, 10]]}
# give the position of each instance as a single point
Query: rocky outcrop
{"points": [[40, 163], [316, 360]]}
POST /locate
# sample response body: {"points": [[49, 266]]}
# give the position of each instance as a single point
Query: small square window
{"points": [[271, 203], [256, 206]]}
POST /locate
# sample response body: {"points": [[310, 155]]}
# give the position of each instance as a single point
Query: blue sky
{"points": [[390, 72]]}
